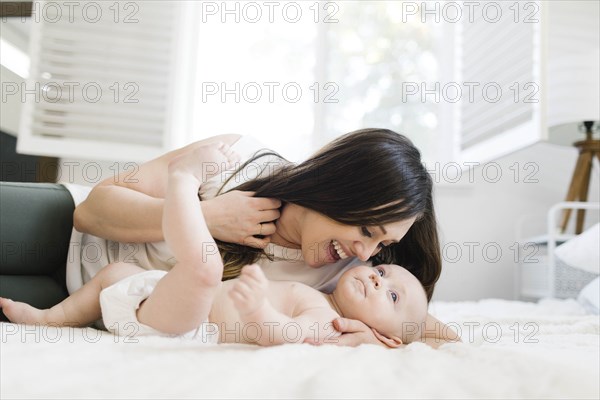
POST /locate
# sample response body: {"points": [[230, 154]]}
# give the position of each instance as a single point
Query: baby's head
{"points": [[387, 298]]}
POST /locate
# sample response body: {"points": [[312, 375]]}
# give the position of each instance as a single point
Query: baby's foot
{"points": [[21, 313], [250, 290]]}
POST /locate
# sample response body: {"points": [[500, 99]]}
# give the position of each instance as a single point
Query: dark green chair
{"points": [[36, 220]]}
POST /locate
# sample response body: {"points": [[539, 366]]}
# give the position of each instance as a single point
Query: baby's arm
{"points": [[311, 321]]}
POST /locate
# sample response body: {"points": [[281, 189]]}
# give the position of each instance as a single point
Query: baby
{"points": [[191, 301]]}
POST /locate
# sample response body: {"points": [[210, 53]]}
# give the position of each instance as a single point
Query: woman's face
{"points": [[325, 241]]}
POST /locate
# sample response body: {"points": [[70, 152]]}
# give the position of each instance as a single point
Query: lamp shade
{"points": [[573, 62]]}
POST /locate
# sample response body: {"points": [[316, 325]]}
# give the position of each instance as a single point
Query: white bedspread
{"points": [[545, 350]]}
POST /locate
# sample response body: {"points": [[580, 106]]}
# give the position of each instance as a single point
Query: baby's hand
{"points": [[204, 162], [250, 290]]}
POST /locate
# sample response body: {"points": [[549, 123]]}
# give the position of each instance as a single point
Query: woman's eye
{"points": [[365, 231], [394, 296], [380, 272]]}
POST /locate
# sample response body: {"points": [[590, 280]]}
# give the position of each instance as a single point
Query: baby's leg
{"points": [[79, 309], [182, 299]]}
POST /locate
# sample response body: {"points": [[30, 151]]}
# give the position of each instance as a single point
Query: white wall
{"points": [[16, 32], [10, 107], [487, 213]]}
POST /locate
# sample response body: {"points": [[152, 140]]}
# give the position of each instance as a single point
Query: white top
{"points": [[288, 265], [88, 253]]}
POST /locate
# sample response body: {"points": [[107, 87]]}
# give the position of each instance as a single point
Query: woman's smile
{"points": [[332, 254], [335, 252], [340, 251]]}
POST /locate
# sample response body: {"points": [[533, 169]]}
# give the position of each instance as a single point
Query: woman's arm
{"points": [[120, 214], [129, 208]]}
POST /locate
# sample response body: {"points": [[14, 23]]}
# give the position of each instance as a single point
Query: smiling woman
{"points": [[326, 206]]}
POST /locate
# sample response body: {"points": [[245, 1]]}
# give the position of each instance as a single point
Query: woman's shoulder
{"points": [[261, 159], [229, 139], [244, 145], [256, 160]]}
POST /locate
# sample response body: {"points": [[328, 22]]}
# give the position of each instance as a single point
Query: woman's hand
{"points": [[236, 217], [140, 196], [353, 333]]}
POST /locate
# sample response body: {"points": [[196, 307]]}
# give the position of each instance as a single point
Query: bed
{"points": [[510, 349]]}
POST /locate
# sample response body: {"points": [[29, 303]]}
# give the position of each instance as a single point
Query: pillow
{"points": [[589, 297], [582, 251]]}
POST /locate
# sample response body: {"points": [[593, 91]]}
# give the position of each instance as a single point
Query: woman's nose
{"points": [[364, 251]]}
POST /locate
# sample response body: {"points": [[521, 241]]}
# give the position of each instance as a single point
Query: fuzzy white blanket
{"points": [[510, 350]]}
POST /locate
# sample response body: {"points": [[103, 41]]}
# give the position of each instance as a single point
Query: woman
{"points": [[365, 196]]}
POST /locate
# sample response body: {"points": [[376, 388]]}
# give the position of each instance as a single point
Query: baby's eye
{"points": [[365, 231], [380, 272], [394, 296]]}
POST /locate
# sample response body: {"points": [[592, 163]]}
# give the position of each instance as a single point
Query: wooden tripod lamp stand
{"points": [[580, 182]]}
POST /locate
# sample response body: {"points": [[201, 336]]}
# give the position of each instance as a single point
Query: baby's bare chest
{"points": [[285, 297]]}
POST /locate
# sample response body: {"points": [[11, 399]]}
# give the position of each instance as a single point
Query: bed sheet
{"points": [[510, 349]]}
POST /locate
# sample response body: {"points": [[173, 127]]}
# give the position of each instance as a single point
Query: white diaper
{"points": [[119, 303]]}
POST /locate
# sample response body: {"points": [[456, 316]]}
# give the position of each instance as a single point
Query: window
{"points": [[374, 54], [297, 85], [293, 74], [107, 80], [255, 78]]}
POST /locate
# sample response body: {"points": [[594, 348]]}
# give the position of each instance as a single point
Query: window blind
{"points": [[497, 59], [107, 79]]}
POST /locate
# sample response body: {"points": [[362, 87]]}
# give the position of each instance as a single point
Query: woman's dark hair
{"points": [[366, 177], [418, 251]]}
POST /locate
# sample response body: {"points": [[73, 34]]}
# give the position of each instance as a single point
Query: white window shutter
{"points": [[109, 87], [502, 55]]}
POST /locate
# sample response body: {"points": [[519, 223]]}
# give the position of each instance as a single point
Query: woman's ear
{"points": [[392, 342]]}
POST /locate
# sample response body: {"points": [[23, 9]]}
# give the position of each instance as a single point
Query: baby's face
{"points": [[385, 297]]}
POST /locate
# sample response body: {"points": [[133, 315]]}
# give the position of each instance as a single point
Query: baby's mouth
{"points": [[361, 287]]}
